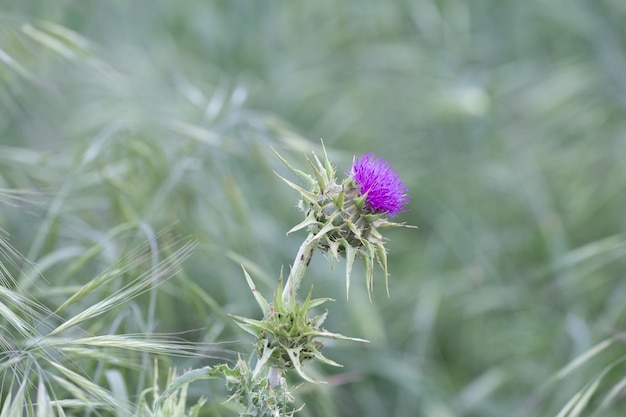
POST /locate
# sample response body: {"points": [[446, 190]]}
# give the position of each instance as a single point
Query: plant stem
{"points": [[300, 265], [274, 376]]}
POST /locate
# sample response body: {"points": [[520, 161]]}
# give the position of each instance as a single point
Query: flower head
{"points": [[384, 190], [344, 218]]}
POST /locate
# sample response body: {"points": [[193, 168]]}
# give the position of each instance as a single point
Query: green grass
{"points": [[136, 175]]}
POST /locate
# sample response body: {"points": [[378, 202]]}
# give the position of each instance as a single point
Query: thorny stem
{"points": [[300, 265], [296, 274]]}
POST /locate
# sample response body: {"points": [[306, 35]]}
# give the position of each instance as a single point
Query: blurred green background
{"points": [[507, 121]]}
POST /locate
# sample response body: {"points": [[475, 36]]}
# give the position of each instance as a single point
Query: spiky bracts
{"points": [[344, 218], [287, 336]]}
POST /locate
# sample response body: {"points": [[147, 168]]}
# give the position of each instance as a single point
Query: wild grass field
{"points": [[137, 176]]}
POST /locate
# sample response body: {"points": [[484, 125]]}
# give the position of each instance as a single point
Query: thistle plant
{"points": [[343, 220]]}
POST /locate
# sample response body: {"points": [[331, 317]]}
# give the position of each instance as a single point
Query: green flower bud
{"points": [[289, 334], [286, 336]]}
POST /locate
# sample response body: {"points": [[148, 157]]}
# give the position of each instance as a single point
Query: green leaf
{"points": [[308, 221], [317, 302], [382, 260], [294, 354], [324, 230], [327, 165], [260, 364], [307, 195], [369, 267], [304, 176], [339, 199], [256, 324], [336, 336], [350, 255], [318, 355], [321, 177], [207, 372], [265, 307]]}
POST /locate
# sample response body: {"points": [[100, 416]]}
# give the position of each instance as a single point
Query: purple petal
{"points": [[386, 193]]}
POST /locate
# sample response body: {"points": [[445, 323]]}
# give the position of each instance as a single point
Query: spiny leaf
{"points": [[316, 302], [318, 320], [319, 356], [260, 365], [369, 268], [308, 221], [257, 324], [278, 297], [336, 336], [382, 260], [340, 199], [328, 166], [265, 307], [294, 354], [350, 256], [304, 176], [321, 177], [322, 232], [307, 195]]}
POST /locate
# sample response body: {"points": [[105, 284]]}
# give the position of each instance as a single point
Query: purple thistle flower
{"points": [[385, 191]]}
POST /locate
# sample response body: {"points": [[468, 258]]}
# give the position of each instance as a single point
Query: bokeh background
{"points": [[507, 121]]}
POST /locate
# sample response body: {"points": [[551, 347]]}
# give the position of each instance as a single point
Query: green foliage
{"points": [[505, 119], [172, 405], [52, 360], [288, 336]]}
